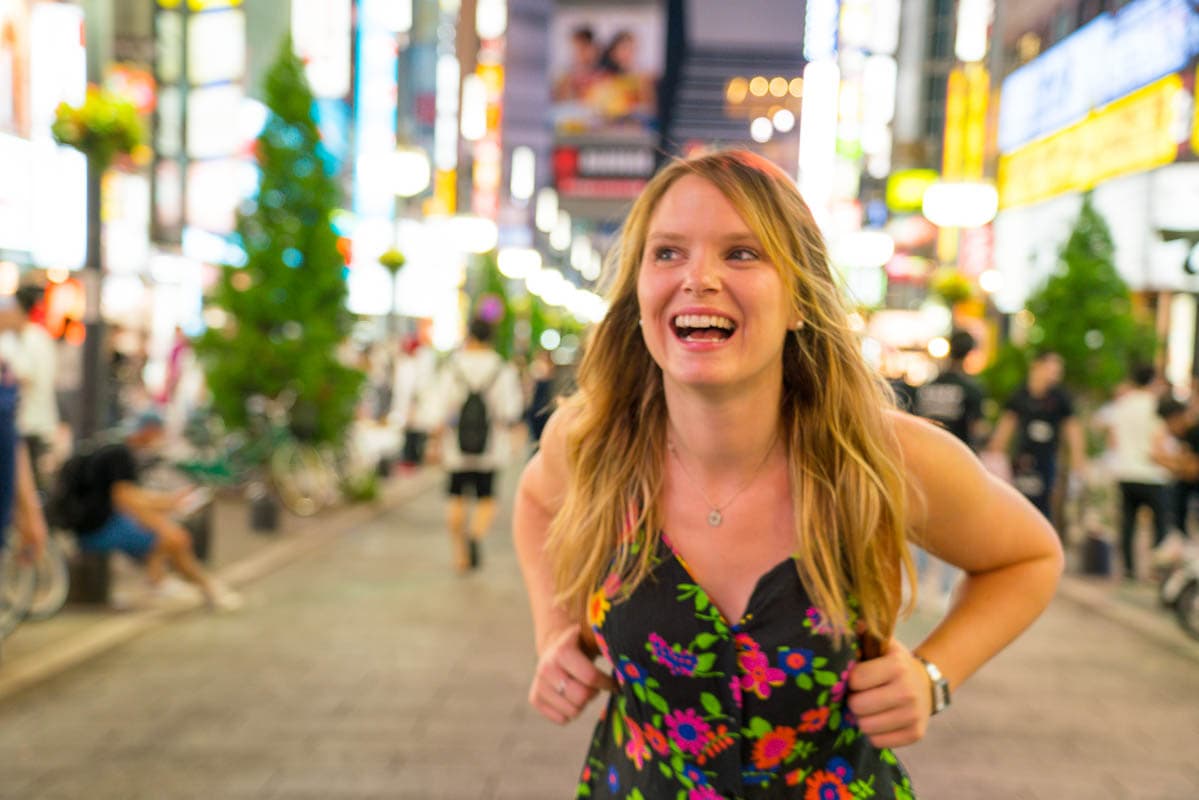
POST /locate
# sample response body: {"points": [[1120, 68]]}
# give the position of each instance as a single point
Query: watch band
{"points": [[938, 685]]}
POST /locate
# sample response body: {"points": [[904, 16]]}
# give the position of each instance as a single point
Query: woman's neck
{"points": [[722, 434]]}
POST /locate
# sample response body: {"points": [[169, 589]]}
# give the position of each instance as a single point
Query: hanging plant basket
{"points": [[105, 126], [392, 260], [951, 286]]}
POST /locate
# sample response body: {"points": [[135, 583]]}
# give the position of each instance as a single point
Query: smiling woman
{"points": [[722, 511]]}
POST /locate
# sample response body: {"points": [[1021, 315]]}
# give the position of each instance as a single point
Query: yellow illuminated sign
{"points": [[905, 188], [974, 125], [1133, 134], [1195, 128], [955, 126]]}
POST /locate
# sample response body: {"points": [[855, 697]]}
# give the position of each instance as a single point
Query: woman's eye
{"points": [[664, 253], [742, 254]]}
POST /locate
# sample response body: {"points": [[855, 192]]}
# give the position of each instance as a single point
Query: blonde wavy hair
{"points": [[847, 480]]}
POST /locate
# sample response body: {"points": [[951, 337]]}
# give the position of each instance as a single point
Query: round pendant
{"points": [[715, 518]]}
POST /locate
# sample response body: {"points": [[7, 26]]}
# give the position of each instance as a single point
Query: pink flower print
{"points": [[735, 688], [675, 659], [688, 730], [837, 694], [703, 793], [637, 749], [611, 585], [602, 644], [817, 621], [759, 675]]}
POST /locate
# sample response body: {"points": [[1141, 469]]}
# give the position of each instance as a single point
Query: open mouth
{"points": [[703, 327]]}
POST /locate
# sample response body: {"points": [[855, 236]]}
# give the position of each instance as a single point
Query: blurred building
{"points": [[1099, 96]]}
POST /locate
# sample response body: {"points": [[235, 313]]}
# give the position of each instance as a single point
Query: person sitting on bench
{"points": [[122, 515]]}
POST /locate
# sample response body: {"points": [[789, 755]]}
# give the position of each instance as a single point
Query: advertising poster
{"points": [[14, 68], [605, 62]]}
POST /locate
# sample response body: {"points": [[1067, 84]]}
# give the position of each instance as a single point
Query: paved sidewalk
{"points": [[238, 555]]}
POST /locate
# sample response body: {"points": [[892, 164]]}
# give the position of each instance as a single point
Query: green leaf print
{"points": [[903, 790], [862, 789], [677, 763], [666, 771], [819, 662], [617, 730], [834, 718], [804, 682], [657, 702], [705, 662], [888, 757], [686, 591], [639, 692], [804, 748], [826, 678], [583, 791], [701, 601], [759, 727], [704, 641], [711, 704], [636, 794]]}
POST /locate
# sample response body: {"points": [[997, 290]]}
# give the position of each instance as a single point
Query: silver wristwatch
{"points": [[938, 684]]}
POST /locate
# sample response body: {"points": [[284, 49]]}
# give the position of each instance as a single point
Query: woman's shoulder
{"points": [[921, 441], [548, 473]]}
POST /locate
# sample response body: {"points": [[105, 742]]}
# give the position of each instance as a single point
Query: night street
{"points": [[367, 669]]}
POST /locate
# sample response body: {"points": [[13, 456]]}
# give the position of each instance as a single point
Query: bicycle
{"points": [[303, 479], [33, 590]]}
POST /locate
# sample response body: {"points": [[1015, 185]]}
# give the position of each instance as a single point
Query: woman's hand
{"points": [[566, 679], [891, 697]]}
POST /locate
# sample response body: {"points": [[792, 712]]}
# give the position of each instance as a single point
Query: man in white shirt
{"points": [[33, 355], [472, 453], [1135, 431]]}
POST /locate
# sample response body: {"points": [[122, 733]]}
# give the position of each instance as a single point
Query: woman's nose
{"points": [[702, 275]]}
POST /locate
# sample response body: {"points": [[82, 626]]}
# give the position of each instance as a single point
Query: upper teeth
{"points": [[703, 321]]}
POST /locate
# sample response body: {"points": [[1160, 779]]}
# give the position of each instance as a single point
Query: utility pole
{"points": [[94, 391]]}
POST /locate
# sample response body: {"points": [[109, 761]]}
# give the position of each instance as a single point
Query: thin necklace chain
{"points": [[715, 512]]}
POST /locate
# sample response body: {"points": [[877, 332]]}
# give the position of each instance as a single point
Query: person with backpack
{"points": [[98, 497], [477, 396]]}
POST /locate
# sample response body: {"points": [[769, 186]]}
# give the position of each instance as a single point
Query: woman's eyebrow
{"points": [[732, 238]]}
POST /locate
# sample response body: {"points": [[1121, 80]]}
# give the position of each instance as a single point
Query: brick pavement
{"points": [[366, 669]]}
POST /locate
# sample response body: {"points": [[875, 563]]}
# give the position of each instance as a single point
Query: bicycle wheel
{"points": [[16, 589], [301, 478], [52, 581]]}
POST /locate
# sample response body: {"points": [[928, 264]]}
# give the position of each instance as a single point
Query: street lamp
{"points": [[409, 174]]}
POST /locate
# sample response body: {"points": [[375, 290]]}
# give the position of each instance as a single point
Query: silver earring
{"points": [[640, 321]]}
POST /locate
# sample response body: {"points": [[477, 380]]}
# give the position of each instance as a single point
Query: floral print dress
{"points": [[706, 709]]}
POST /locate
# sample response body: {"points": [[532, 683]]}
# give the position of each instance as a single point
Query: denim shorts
{"points": [[122, 533]]}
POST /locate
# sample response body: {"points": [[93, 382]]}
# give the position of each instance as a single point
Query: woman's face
{"points": [[714, 310]]}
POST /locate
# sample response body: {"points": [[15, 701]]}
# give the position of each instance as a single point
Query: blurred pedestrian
{"points": [[1180, 456], [33, 355], [100, 497], [953, 400], [1038, 416], [1135, 432], [541, 396], [722, 511], [476, 399], [20, 504]]}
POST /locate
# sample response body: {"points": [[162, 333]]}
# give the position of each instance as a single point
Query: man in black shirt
{"points": [[1038, 416], [1183, 462], [118, 514], [953, 398]]}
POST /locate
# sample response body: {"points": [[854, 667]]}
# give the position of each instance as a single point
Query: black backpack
{"points": [[474, 420], [70, 503]]}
